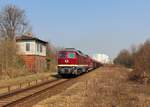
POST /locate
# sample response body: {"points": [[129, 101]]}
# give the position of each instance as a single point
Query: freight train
{"points": [[74, 62]]}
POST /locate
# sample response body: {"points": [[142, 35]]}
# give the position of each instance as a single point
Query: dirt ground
{"points": [[105, 87]]}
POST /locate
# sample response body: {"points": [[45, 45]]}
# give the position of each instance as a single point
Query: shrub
{"points": [[11, 64]]}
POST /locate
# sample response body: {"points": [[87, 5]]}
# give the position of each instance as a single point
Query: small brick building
{"points": [[33, 51]]}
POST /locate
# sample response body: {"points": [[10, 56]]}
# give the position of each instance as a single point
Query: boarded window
{"points": [[27, 46]]}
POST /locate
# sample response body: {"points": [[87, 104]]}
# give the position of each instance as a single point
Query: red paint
{"points": [[77, 60], [67, 60]]}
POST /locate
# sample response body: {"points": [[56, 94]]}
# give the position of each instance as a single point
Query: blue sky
{"points": [[93, 26]]}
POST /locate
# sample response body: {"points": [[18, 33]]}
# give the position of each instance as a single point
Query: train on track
{"points": [[73, 62]]}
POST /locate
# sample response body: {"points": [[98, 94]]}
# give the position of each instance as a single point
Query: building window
{"points": [[40, 48], [27, 46]]}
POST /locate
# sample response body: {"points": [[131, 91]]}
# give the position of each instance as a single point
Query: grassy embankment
{"points": [[106, 87]]}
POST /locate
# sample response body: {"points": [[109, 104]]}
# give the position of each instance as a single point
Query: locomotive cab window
{"points": [[62, 55], [71, 55]]}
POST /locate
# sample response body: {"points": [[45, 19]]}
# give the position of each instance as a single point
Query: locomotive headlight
{"points": [[66, 61]]}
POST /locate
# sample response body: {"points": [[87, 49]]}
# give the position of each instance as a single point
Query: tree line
{"points": [[138, 58]]}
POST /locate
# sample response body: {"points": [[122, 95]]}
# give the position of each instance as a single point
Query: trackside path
{"points": [[106, 87]]}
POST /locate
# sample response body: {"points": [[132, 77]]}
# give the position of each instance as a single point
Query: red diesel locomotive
{"points": [[74, 62]]}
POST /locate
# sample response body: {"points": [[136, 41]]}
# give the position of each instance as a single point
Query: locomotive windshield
{"points": [[62, 55], [66, 55]]}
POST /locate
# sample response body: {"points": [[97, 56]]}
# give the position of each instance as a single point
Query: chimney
{"points": [[29, 34]]}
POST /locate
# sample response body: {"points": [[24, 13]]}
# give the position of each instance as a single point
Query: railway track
{"points": [[32, 95], [11, 99]]}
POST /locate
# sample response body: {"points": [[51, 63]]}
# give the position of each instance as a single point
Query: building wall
{"points": [[22, 47], [40, 63], [35, 63], [37, 51], [33, 48], [35, 60]]}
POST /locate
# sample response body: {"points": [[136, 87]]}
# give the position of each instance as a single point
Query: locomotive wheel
{"points": [[79, 72]]}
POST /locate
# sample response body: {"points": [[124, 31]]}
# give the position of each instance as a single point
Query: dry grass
{"points": [[24, 80], [106, 87]]}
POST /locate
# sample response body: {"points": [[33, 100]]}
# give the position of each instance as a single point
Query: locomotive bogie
{"points": [[71, 70]]}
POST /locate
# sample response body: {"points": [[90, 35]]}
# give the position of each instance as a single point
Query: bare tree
{"points": [[12, 21]]}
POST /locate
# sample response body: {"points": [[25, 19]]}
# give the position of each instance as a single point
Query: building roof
{"points": [[27, 37]]}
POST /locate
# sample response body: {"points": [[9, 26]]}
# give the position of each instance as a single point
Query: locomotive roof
{"points": [[74, 50]]}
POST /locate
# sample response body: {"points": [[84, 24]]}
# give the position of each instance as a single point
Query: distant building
{"points": [[33, 51], [102, 58]]}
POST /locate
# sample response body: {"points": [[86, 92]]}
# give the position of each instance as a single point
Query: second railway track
{"points": [[10, 99]]}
